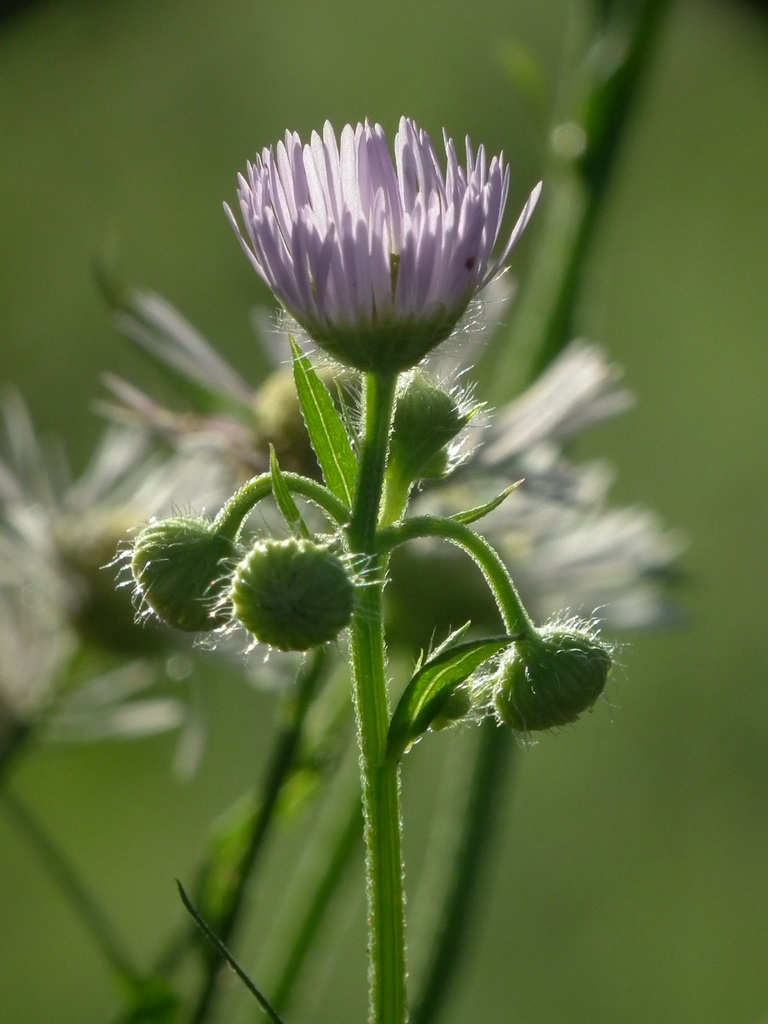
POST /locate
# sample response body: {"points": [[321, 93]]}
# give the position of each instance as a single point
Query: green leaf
{"points": [[434, 684], [471, 515], [284, 499], [205, 928], [326, 428]]}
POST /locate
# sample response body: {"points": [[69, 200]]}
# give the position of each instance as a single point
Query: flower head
{"points": [[376, 258]]}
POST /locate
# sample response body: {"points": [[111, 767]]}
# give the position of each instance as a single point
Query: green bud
{"points": [[292, 594], [427, 418], [180, 569], [280, 422], [456, 706], [552, 679]]}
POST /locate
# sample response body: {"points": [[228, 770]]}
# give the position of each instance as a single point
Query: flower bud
{"points": [[280, 421], [180, 569], [552, 679], [454, 708], [427, 418], [292, 594]]}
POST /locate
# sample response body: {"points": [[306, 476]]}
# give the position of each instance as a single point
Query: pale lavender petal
{"points": [[332, 224]]}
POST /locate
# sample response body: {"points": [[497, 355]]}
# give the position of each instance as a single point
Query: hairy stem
{"points": [[511, 608], [380, 776], [230, 519]]}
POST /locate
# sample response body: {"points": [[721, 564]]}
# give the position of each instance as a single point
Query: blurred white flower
{"points": [[565, 547], [72, 653]]}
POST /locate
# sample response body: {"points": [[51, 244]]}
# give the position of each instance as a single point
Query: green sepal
{"points": [[326, 428], [284, 498], [433, 685], [471, 515]]}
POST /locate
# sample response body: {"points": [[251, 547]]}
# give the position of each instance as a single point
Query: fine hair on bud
{"points": [[552, 678], [427, 418], [180, 568], [292, 594]]}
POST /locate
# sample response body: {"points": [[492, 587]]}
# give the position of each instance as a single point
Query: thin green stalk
{"points": [[462, 898], [331, 854], [225, 955], [283, 761], [80, 897], [380, 775], [230, 519], [511, 608], [585, 144]]}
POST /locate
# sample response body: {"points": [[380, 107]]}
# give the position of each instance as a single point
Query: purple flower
{"points": [[377, 259]]}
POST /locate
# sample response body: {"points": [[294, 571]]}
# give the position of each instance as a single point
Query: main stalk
{"points": [[380, 777]]}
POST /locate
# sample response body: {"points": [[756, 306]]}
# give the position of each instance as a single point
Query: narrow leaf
{"points": [[284, 498], [327, 431], [471, 515], [266, 1006], [450, 641], [433, 684]]}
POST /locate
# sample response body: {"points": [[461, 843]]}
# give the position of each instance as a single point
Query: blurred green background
{"points": [[631, 880]]}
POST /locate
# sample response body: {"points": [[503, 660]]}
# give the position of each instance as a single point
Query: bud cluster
{"points": [[291, 594]]}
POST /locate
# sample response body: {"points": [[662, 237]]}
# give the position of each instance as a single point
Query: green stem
{"points": [[514, 616], [230, 519], [461, 899], [332, 851], [225, 955], [380, 775], [17, 738], [283, 762], [585, 144], [71, 885]]}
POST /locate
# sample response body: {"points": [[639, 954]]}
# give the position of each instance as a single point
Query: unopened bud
{"points": [[454, 708], [292, 594], [180, 569], [427, 418], [550, 680]]}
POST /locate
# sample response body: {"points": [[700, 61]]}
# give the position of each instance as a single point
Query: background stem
{"points": [[282, 764], [545, 320], [68, 880], [585, 142], [462, 898]]}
